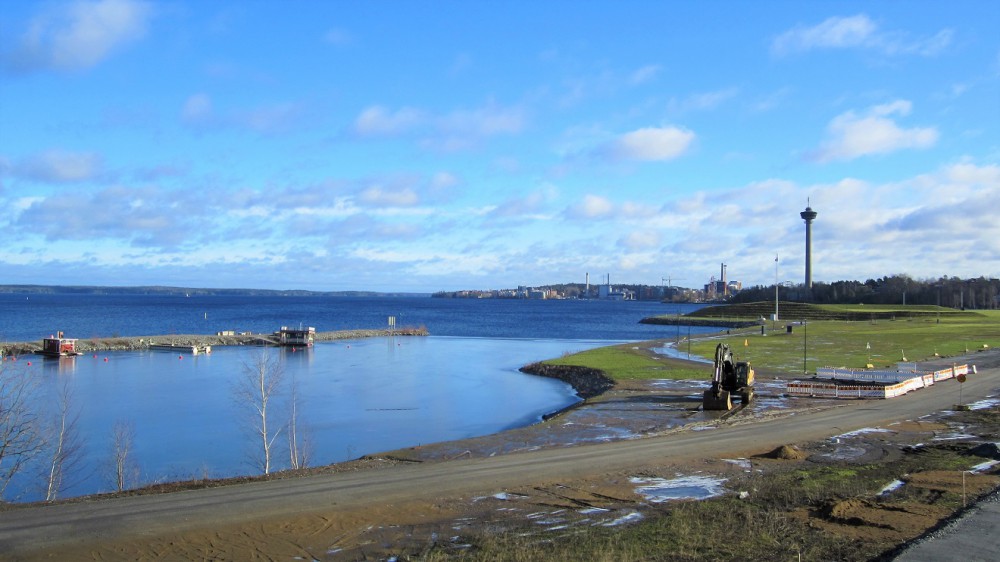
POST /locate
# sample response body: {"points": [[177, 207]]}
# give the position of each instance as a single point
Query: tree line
{"points": [[980, 293]]}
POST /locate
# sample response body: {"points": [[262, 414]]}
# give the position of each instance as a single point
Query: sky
{"points": [[423, 146]]}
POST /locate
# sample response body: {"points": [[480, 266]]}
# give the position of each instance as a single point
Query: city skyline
{"points": [[407, 147]]}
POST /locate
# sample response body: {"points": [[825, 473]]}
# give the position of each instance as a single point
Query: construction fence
{"points": [[881, 384]]}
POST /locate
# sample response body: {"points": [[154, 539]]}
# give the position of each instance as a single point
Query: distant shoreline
{"points": [[138, 343], [158, 290]]}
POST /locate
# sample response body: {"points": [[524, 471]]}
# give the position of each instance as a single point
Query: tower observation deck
{"points": [[808, 215]]}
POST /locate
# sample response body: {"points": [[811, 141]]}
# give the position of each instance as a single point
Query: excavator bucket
{"points": [[720, 402]]}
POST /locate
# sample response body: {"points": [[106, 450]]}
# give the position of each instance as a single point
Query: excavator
{"points": [[729, 378]]}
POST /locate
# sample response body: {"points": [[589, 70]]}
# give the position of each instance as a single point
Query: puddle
{"points": [[658, 490], [844, 453], [864, 431], [985, 404], [671, 351], [679, 384]]}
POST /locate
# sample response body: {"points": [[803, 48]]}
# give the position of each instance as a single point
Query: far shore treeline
{"points": [[952, 292], [157, 290]]}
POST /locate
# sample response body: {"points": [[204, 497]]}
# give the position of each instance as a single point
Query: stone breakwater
{"points": [[139, 343], [587, 382]]}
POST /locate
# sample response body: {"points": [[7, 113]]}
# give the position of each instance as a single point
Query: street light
{"points": [[805, 339], [775, 287]]}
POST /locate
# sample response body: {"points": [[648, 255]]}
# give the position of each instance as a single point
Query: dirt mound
{"points": [[786, 453]]}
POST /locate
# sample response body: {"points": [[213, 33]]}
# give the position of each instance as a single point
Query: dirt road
{"points": [[31, 532]]}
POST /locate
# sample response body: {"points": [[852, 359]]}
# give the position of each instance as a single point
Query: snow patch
{"points": [[658, 490]]}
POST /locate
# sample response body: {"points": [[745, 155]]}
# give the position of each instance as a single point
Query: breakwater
{"points": [[587, 382], [96, 345]]}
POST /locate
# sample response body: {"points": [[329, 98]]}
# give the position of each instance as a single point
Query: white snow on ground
{"points": [[658, 490], [984, 404], [891, 487], [863, 431], [745, 464], [983, 467], [627, 518]]}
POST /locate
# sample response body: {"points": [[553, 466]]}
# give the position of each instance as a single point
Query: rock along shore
{"points": [[587, 382], [138, 343]]}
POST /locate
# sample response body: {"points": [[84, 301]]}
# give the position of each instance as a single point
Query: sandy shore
{"points": [[134, 343]]}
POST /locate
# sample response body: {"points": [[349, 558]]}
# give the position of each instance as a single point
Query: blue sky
{"points": [[422, 146]]}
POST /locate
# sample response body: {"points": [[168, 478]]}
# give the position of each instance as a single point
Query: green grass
{"points": [[882, 343], [625, 362], [919, 334]]}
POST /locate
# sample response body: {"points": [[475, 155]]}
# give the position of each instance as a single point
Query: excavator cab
{"points": [[728, 378]]}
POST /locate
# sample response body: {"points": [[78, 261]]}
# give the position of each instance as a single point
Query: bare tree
{"points": [[261, 378], [64, 444], [126, 471], [299, 450], [20, 438]]}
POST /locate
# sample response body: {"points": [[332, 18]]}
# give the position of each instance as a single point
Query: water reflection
{"points": [[355, 397]]}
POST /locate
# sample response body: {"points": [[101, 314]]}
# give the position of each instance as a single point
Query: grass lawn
{"points": [[918, 334]]}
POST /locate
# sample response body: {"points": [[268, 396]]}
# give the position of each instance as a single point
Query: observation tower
{"points": [[808, 215]]}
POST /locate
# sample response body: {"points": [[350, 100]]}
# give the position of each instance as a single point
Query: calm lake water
{"points": [[356, 397]]}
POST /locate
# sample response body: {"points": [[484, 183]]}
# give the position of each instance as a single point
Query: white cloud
{"points": [[645, 74], [702, 101], [197, 109], [652, 144], [338, 36], [592, 207], [385, 197], [59, 166], [857, 32], [379, 121], [79, 35], [444, 132], [640, 240], [850, 135]]}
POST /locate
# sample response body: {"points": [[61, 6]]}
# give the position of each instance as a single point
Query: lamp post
{"points": [[775, 288], [805, 339]]}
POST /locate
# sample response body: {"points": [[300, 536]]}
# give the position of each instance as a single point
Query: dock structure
{"points": [[180, 348], [58, 346], [301, 337]]}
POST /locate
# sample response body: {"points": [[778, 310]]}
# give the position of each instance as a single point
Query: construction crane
{"points": [[669, 280]]}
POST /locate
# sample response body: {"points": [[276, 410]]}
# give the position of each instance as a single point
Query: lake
{"points": [[356, 397]]}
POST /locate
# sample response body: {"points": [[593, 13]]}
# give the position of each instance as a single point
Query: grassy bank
{"points": [[632, 362], [817, 338], [837, 343]]}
